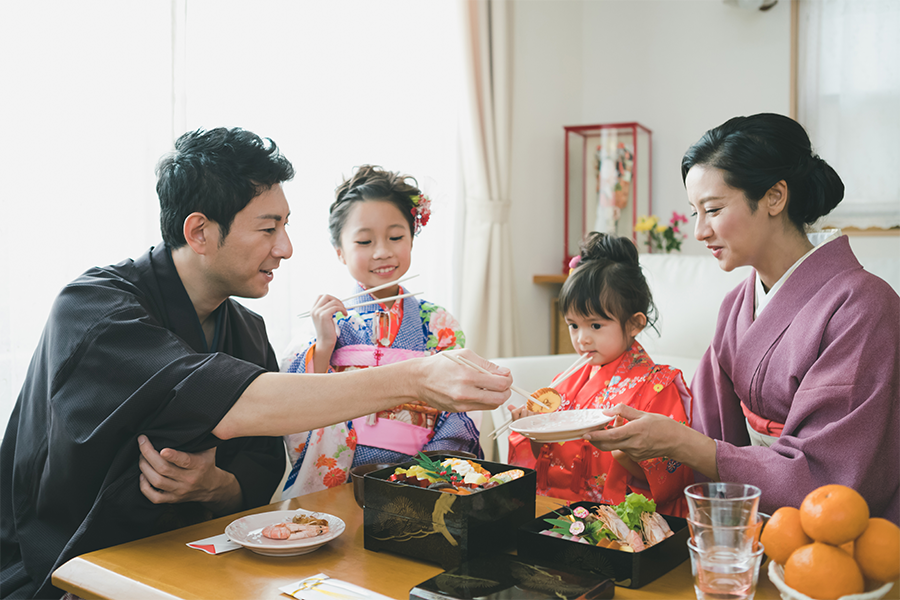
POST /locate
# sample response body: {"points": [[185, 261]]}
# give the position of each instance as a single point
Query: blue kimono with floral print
{"points": [[323, 457]]}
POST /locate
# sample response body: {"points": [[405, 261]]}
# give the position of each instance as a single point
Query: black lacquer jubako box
{"points": [[442, 528], [627, 569]]}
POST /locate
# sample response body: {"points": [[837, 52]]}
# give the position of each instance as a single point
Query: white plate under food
{"points": [[561, 426], [247, 531]]}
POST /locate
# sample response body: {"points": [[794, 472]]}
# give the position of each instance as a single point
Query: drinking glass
{"points": [[722, 503], [743, 539], [723, 573]]}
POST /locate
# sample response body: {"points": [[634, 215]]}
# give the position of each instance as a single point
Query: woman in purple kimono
{"points": [[801, 383]]}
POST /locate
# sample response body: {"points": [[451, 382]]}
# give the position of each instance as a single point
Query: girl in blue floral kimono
{"points": [[372, 222]]}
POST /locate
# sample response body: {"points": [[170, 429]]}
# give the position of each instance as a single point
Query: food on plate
{"points": [[452, 475], [845, 551], [293, 531], [630, 526], [309, 520], [545, 400]]}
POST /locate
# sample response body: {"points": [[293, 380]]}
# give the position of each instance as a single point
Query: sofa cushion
{"points": [[687, 291]]}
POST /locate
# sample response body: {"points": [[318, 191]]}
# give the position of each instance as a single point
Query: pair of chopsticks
{"points": [[377, 300], [464, 361], [578, 364]]}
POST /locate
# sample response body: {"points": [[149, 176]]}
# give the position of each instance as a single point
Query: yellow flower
{"points": [[658, 388], [661, 228], [646, 223]]}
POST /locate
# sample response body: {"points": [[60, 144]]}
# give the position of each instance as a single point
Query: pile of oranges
{"points": [[829, 547]]}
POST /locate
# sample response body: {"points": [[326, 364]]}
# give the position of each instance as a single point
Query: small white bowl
{"points": [[776, 575]]}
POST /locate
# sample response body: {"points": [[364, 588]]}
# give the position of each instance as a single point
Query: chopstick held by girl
{"points": [[375, 215], [607, 302]]}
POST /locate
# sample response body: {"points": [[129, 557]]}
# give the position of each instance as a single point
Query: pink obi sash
{"points": [[389, 434], [761, 425], [361, 355]]}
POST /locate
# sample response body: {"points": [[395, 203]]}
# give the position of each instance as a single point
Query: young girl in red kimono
{"points": [[606, 302]]}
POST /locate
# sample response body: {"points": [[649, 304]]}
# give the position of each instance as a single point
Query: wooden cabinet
{"points": [[559, 333]]}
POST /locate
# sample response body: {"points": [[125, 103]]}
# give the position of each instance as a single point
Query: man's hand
{"points": [[171, 477], [452, 387]]}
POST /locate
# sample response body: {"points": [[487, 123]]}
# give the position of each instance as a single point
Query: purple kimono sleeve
{"points": [[843, 426]]}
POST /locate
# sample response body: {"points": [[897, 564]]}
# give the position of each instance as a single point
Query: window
{"points": [[849, 102]]}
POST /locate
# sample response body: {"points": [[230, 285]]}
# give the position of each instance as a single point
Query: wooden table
{"points": [[163, 567]]}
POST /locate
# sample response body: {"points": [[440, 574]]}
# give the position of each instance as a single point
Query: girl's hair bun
{"points": [[610, 247], [608, 281]]}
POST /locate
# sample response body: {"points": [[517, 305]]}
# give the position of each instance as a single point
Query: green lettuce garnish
{"points": [[630, 510]]}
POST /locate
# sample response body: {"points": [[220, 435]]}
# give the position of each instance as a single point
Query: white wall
{"points": [[679, 67]]}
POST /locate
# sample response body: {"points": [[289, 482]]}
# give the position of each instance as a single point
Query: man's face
{"points": [[243, 263]]}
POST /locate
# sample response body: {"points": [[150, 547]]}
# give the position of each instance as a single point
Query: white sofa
{"points": [[687, 291]]}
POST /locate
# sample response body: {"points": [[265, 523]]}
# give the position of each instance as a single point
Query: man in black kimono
{"points": [[141, 403]]}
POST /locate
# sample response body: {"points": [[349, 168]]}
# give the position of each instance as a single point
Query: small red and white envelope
{"points": [[216, 544]]}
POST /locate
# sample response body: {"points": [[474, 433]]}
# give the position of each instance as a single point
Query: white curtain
{"points": [[849, 102], [96, 91], [488, 304]]}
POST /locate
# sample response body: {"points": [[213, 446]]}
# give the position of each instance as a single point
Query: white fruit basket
{"points": [[776, 575]]}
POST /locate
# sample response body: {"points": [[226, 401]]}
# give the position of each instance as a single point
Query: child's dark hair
{"points": [[608, 281], [372, 183]]}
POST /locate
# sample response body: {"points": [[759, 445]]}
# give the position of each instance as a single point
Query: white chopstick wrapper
{"points": [[323, 587], [216, 544]]}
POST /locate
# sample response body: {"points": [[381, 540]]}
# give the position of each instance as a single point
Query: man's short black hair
{"points": [[217, 173]]}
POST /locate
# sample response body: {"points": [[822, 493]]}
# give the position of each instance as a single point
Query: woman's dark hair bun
{"points": [[756, 152], [613, 248], [825, 191]]}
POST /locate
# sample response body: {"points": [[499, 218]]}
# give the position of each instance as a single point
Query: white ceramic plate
{"points": [[561, 426], [247, 531]]}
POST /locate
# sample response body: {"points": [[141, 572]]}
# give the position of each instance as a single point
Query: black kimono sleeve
{"points": [[106, 371]]}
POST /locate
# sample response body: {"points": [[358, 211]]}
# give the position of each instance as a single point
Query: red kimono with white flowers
{"points": [[576, 470]]}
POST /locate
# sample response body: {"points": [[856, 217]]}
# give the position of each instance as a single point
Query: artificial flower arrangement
{"points": [[666, 238]]}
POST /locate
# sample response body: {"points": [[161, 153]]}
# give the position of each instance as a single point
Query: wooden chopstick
{"points": [[379, 287], [369, 291], [582, 360], [463, 361], [500, 430], [380, 300]]}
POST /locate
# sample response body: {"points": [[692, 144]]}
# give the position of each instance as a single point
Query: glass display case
{"points": [[608, 181]]}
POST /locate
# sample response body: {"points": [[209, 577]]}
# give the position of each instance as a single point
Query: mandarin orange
{"points": [[783, 534], [877, 550], [823, 572], [834, 514]]}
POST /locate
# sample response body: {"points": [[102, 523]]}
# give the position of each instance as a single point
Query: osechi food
{"points": [[452, 475], [300, 527], [630, 526]]}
